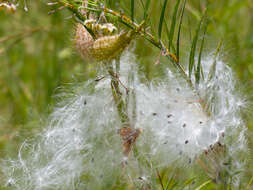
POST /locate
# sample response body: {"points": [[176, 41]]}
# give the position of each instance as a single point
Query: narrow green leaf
{"points": [[162, 19], [92, 3], [212, 71], [250, 182], [199, 67], [203, 185], [142, 4], [146, 9], [132, 10], [108, 3], [195, 12], [167, 30], [170, 182], [179, 30], [168, 34], [174, 185], [160, 179], [173, 24], [193, 47], [188, 182], [147, 4]]}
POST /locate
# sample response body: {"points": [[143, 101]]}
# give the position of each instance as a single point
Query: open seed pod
{"points": [[103, 48]]}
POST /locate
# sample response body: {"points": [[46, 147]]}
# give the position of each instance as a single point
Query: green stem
{"points": [[117, 95]]}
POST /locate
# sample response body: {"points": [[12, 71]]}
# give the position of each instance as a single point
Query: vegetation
{"points": [[38, 59]]}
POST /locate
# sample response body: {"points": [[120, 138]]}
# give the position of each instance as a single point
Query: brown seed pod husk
{"points": [[83, 41], [129, 137], [103, 48]]}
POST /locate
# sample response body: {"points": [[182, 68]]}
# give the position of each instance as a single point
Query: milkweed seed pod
{"points": [[103, 48]]}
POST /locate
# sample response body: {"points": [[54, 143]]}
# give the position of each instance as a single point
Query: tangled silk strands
{"points": [[80, 148]]}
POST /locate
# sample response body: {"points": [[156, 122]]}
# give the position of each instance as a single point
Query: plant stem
{"points": [[117, 95]]}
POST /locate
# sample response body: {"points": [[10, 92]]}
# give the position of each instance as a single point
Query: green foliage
{"points": [[35, 63], [213, 67], [193, 48], [173, 24], [132, 10], [36, 59], [179, 30], [203, 185], [162, 19], [146, 7], [198, 72]]}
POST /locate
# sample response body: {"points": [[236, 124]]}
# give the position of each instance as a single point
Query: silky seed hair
{"points": [[81, 146]]}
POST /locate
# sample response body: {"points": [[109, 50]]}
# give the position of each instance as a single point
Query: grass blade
{"points": [[160, 179], [203, 185], [174, 185], [173, 24], [132, 10], [168, 36], [193, 47], [188, 182], [162, 19], [198, 72], [250, 182], [179, 30], [146, 9], [170, 182]]}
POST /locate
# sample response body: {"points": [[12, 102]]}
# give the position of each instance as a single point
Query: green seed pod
{"points": [[104, 48]]}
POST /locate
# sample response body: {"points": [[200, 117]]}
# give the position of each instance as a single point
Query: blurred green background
{"points": [[37, 57]]}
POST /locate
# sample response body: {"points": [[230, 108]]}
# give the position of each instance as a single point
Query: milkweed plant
{"points": [[122, 131]]}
